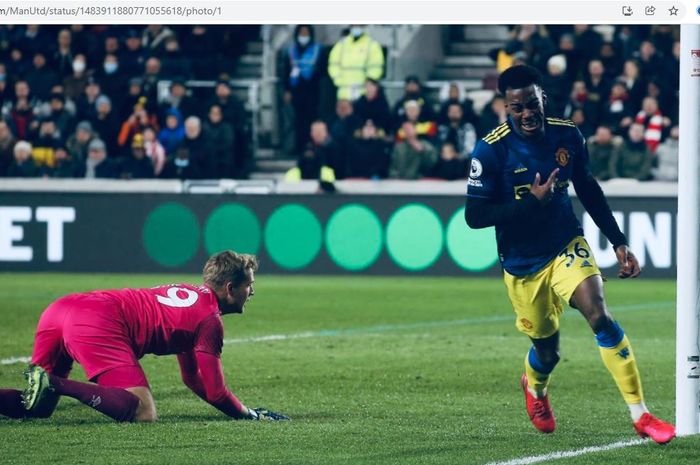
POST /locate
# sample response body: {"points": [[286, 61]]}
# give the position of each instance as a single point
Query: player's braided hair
{"points": [[517, 77], [228, 266]]}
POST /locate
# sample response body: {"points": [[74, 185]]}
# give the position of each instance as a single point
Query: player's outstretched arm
{"points": [[189, 370]]}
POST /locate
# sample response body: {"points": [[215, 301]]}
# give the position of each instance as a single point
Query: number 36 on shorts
{"points": [[577, 251]]}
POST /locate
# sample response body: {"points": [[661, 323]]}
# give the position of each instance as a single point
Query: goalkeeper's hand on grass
{"points": [[262, 414]]}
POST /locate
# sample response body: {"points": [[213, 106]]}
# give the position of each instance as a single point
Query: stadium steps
{"points": [[468, 60]]}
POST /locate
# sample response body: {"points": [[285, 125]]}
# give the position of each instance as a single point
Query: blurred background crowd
{"points": [[125, 102]]}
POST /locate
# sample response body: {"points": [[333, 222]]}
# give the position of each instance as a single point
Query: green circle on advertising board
{"points": [[171, 234], [414, 237], [471, 249], [232, 226], [354, 237], [293, 236]]}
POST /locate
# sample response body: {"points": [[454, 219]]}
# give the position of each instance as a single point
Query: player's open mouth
{"points": [[530, 125]]}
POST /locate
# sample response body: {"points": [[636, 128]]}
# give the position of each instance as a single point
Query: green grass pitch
{"points": [[372, 370]]}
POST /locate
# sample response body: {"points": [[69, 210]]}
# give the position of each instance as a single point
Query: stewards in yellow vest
{"points": [[354, 59]]}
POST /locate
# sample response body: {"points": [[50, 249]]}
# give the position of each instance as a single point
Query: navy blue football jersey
{"points": [[503, 169]]}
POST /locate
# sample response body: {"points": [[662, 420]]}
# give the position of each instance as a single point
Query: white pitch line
{"points": [[13, 360], [570, 453]]}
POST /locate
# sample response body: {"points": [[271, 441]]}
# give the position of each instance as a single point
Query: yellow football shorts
{"points": [[536, 297]]}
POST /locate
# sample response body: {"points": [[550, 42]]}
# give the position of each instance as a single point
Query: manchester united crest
{"points": [[562, 157]]}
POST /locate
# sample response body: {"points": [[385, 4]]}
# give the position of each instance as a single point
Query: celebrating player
{"points": [[107, 332], [518, 183]]}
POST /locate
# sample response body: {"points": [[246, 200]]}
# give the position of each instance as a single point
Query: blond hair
{"points": [[228, 266]]}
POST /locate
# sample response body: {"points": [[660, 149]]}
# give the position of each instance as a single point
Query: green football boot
{"points": [[39, 398]]}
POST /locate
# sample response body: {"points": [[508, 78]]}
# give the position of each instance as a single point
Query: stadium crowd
{"points": [[82, 101]]}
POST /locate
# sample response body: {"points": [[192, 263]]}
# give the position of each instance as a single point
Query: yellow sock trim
{"points": [[621, 364]]}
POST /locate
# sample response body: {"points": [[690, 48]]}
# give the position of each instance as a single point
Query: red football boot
{"points": [[539, 410], [650, 426]]}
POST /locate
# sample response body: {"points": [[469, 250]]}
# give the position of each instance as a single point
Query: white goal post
{"points": [[687, 311]]}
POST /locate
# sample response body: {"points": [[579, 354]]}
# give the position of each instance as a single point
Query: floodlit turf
{"points": [[376, 371]]}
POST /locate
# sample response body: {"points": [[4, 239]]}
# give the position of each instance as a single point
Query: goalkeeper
{"points": [[107, 332]]}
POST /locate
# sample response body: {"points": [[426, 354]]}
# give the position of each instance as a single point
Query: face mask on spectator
{"points": [[356, 31], [304, 40], [78, 66], [110, 68], [2, 78]]}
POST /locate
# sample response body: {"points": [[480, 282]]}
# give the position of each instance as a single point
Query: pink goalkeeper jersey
{"points": [[170, 319]]}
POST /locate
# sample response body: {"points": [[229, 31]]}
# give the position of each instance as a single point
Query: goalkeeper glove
{"points": [[262, 414]]}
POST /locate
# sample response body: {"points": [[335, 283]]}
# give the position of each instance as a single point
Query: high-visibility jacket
{"points": [[352, 61]]}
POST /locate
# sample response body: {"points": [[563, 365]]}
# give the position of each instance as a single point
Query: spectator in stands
{"points": [[352, 60], [588, 43], [97, 164], [17, 64], [342, 132], [492, 115], [7, 145], [182, 165], [633, 159], [136, 123], [61, 117], [174, 131], [413, 91], [612, 63], [567, 48], [112, 80], [450, 166], [579, 101], [374, 106], [650, 63], [46, 143], [301, 80], [667, 158], [149, 81], [132, 57], [618, 112], [195, 142], [133, 95], [457, 132], [454, 95], [41, 77], [557, 83], [154, 150], [200, 45], [597, 85], [21, 111], [318, 159], [23, 165], [234, 114], [412, 157], [75, 82], [34, 39], [78, 142], [154, 37], [625, 41], [175, 64], [106, 124], [65, 165], [137, 165], [220, 139], [653, 121], [636, 86], [179, 100], [601, 149], [369, 155], [111, 45], [86, 103], [424, 127], [62, 58]]}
